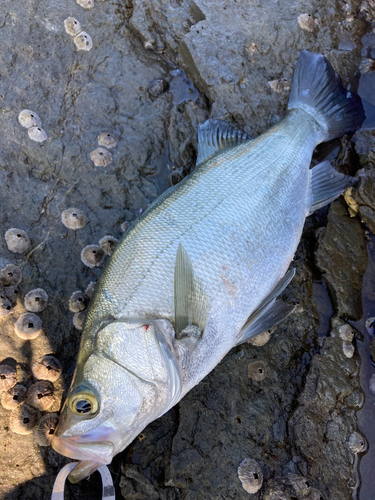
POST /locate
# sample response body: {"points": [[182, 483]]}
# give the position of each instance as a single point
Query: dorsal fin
{"points": [[215, 135], [189, 300]]}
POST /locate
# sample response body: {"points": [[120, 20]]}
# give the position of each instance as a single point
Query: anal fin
{"points": [[269, 313], [327, 184]]}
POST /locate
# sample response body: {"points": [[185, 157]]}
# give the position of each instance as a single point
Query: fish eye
{"points": [[84, 403]]}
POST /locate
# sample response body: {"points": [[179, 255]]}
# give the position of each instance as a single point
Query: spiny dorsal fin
{"points": [[189, 301], [327, 184], [215, 135]]}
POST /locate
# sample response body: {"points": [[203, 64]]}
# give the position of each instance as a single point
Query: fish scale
{"points": [[230, 200]]}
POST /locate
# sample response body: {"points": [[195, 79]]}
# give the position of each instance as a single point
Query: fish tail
{"points": [[318, 90]]}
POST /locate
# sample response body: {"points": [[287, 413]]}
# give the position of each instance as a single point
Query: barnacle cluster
{"points": [[101, 157], [31, 121], [78, 303], [82, 40], [27, 405], [10, 278]]}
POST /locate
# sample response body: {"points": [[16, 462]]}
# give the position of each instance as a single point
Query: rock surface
{"points": [[218, 59]]}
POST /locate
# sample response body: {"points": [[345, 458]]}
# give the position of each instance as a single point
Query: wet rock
{"points": [[342, 258], [12, 293]]}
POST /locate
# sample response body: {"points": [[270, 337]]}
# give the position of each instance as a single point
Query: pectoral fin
{"points": [[215, 135], [269, 313], [327, 184], [189, 300]]}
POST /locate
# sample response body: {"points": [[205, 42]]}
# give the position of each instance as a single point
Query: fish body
{"points": [[227, 233]]}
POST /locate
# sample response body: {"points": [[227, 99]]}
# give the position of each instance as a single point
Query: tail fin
{"points": [[318, 90]]}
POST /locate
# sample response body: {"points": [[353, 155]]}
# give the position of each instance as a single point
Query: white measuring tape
{"points": [[108, 492]]}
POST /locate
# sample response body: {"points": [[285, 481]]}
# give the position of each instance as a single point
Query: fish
{"points": [[200, 271]]}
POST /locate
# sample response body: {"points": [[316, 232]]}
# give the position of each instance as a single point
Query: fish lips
{"points": [[92, 449]]}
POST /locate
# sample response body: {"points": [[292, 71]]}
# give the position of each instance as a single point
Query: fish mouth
{"points": [[92, 449]]}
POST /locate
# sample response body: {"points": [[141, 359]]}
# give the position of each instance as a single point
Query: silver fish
{"points": [[200, 271]]}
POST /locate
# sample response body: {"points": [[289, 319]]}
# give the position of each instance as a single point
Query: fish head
{"points": [[128, 378]]}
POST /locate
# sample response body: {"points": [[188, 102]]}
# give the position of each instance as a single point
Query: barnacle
{"points": [[17, 240], [11, 293], [72, 26], [36, 300], [371, 384], [157, 87], [46, 428], [124, 226], [28, 326], [7, 377], [37, 134], [85, 4], [47, 368], [356, 442], [14, 397], [278, 86], [346, 332], [262, 339], [257, 371], [78, 301], [101, 157], [107, 140], [79, 319], [307, 22], [83, 41], [23, 419], [40, 395], [108, 243], [29, 119], [92, 256], [250, 475], [73, 218], [90, 289], [10, 275], [5, 305], [348, 349]]}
